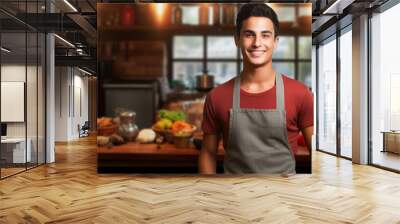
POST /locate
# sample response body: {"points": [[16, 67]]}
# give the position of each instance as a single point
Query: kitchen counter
{"points": [[134, 157], [144, 158]]}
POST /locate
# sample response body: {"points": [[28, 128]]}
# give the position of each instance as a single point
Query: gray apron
{"points": [[258, 141]]}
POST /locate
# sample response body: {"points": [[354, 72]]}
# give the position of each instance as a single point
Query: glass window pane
{"points": [[286, 68], [285, 13], [14, 154], [210, 15], [305, 73], [41, 98], [190, 15], [221, 47], [385, 85], [305, 47], [31, 101], [285, 48], [222, 71], [186, 72], [327, 97], [305, 10], [346, 94], [188, 47]]}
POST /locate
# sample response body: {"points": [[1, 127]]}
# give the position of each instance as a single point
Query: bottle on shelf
{"points": [[216, 14], [127, 17], [203, 14], [177, 18]]}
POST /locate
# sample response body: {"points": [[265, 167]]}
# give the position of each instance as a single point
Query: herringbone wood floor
{"points": [[70, 191]]}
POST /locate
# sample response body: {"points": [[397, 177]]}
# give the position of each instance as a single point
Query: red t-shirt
{"points": [[298, 105]]}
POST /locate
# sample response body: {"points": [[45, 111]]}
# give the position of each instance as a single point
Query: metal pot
{"points": [[204, 82], [127, 127]]}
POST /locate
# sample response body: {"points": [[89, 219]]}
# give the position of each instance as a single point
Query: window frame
{"points": [[296, 60]]}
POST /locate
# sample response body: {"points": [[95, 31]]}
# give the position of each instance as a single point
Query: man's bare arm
{"points": [[208, 154], [307, 133]]}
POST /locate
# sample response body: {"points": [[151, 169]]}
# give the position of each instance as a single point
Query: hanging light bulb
{"points": [[159, 12]]}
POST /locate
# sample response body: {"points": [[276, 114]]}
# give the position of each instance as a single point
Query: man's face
{"points": [[257, 41]]}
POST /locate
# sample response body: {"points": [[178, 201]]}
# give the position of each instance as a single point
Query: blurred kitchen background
{"points": [[160, 55]]}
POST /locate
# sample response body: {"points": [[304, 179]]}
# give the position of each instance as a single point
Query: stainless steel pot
{"points": [[127, 127], [204, 82]]}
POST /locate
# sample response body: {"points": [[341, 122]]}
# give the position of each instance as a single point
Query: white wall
{"points": [[71, 93], [61, 103], [13, 73]]}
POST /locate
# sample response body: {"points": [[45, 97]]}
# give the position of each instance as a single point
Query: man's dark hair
{"points": [[258, 10]]}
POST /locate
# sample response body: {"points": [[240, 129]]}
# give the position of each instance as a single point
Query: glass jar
{"points": [[127, 127], [178, 15]]}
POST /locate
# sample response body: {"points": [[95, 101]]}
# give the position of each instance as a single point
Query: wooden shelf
{"points": [[126, 33], [181, 29]]}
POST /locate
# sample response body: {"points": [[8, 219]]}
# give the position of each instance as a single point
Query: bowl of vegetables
{"points": [[165, 121], [182, 133]]}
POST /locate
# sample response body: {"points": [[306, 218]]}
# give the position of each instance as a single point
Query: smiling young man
{"points": [[259, 113]]}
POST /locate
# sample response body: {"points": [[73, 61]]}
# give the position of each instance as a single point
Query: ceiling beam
{"points": [[85, 25]]}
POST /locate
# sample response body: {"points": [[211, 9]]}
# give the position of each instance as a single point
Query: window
{"points": [[221, 47], [286, 68], [305, 73], [219, 54], [285, 13], [225, 70], [187, 71], [305, 11], [22, 65], [385, 87], [193, 54], [327, 96], [285, 48], [188, 47], [305, 47], [304, 60], [190, 15], [346, 94]]}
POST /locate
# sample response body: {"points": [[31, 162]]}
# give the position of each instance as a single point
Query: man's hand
{"points": [[307, 133], [208, 154]]}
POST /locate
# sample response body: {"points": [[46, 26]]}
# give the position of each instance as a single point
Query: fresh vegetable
{"points": [[104, 122], [116, 139], [181, 127], [183, 134], [163, 124], [102, 140], [146, 136], [172, 115]]}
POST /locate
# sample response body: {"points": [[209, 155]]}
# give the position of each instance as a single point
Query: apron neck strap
{"points": [[279, 88]]}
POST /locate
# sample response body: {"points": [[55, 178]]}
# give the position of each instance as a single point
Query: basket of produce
{"points": [[171, 125], [182, 129], [106, 126], [166, 119], [182, 132]]}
